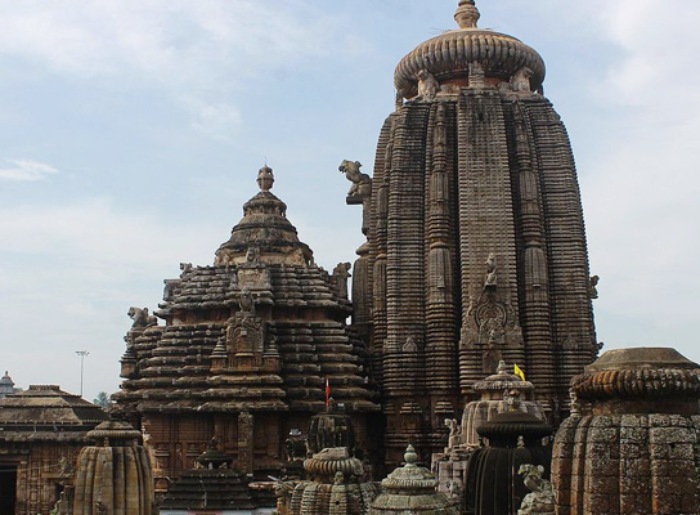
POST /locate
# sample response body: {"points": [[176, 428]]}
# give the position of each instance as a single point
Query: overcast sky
{"points": [[131, 133]]}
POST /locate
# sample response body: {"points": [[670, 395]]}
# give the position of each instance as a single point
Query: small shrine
{"points": [[411, 490], [632, 445], [42, 431]]}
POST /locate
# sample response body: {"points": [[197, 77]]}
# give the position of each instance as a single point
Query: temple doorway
{"points": [[8, 487]]}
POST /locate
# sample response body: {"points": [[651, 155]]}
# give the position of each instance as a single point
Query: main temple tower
{"points": [[476, 247]]}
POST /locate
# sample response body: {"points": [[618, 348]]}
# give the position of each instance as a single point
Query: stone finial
{"points": [[265, 178], [502, 368], [410, 456], [467, 14]]}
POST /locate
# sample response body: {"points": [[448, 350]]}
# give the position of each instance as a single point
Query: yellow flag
{"points": [[518, 372]]}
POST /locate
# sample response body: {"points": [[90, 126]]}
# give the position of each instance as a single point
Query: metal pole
{"points": [[82, 354]]}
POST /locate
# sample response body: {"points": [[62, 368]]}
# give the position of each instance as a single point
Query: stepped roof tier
{"points": [[264, 284], [45, 412], [247, 347]]}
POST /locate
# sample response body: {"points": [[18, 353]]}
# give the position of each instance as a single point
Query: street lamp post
{"points": [[82, 354]]}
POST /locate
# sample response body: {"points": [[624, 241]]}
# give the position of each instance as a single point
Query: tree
{"points": [[102, 400]]}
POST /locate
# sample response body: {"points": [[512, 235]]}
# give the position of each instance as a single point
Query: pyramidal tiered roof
{"points": [[45, 412], [261, 330]]}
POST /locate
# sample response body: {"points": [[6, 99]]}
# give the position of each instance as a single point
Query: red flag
{"points": [[328, 391]]}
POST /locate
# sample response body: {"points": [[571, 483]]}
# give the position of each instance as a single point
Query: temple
{"points": [[249, 348], [460, 365], [476, 250]]}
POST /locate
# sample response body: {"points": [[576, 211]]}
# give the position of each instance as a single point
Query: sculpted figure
{"points": [[455, 438], [512, 399], [490, 270], [540, 500], [411, 345], [520, 82], [592, 287], [252, 254], [246, 302], [428, 86], [361, 182], [141, 318]]}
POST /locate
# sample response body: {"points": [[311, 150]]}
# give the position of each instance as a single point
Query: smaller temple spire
{"points": [[265, 178], [467, 14]]}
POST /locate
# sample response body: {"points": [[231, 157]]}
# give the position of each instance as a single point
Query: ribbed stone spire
{"points": [[467, 14]]}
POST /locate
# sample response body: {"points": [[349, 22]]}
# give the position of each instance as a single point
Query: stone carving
{"points": [[66, 467], [592, 287], [141, 318], [361, 182], [428, 86], [512, 399], [491, 278], [410, 345], [340, 276], [244, 334], [540, 500], [150, 450], [252, 255], [455, 438], [520, 82], [398, 103], [266, 178], [246, 303]]}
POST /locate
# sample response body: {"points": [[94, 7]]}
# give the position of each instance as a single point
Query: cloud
{"points": [[219, 121], [96, 233], [68, 274], [200, 45], [655, 55], [26, 170], [640, 190], [205, 52]]}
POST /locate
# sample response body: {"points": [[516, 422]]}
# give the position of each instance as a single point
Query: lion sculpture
{"points": [[141, 318], [361, 182]]}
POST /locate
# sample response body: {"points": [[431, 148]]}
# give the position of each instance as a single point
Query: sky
{"points": [[131, 132]]}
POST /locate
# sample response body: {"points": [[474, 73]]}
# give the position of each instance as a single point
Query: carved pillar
{"points": [[246, 432], [441, 334], [361, 292]]}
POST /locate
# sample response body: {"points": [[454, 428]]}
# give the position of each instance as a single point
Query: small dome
{"points": [[264, 231], [411, 489], [448, 56], [503, 380], [639, 373], [6, 380]]}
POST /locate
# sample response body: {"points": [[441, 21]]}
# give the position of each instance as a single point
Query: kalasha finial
{"points": [[265, 178], [410, 456], [467, 14]]}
